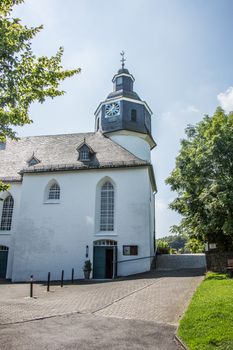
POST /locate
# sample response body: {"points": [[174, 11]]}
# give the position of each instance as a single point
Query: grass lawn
{"points": [[208, 322]]}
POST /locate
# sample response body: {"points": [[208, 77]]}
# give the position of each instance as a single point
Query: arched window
{"points": [[7, 212], [54, 192], [107, 207]]}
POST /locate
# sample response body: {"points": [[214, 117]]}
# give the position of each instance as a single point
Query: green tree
{"points": [[24, 78], [203, 180], [162, 247], [176, 242], [194, 246]]}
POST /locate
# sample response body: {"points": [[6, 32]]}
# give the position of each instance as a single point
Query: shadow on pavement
{"points": [[145, 275]]}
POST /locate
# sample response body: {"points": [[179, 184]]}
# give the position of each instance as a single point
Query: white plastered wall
{"points": [[52, 237], [136, 145]]}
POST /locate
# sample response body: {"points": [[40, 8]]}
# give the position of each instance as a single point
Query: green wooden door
{"points": [[99, 268], [3, 263]]}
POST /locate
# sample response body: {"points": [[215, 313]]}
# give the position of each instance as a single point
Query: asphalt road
{"points": [[87, 332]]}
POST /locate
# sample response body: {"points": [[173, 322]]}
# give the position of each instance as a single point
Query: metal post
{"points": [[62, 278], [31, 286], [72, 276], [48, 282]]}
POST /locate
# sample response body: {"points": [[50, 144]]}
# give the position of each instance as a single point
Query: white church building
{"points": [[81, 196]]}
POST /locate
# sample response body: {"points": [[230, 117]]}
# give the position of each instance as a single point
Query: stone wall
{"points": [[217, 261], [180, 261]]}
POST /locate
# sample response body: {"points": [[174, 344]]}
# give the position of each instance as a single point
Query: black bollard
{"points": [[48, 282], [62, 278], [72, 276], [31, 286]]}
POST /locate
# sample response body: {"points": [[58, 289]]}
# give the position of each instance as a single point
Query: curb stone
{"points": [[180, 342]]}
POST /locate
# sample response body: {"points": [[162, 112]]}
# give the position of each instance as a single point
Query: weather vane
{"points": [[122, 59]]}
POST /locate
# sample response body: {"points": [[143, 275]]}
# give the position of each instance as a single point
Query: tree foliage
{"points": [[162, 247], [180, 243], [193, 245], [175, 241], [202, 179], [24, 78]]}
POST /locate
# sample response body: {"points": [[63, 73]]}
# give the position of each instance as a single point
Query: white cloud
{"points": [[226, 99], [192, 109], [189, 109], [169, 118]]}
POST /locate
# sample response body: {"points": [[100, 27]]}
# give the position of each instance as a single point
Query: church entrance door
{"points": [[104, 259], [3, 261], [109, 262]]}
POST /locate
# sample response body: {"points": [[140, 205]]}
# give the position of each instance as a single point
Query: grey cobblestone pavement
{"points": [[156, 296], [83, 298], [163, 301]]}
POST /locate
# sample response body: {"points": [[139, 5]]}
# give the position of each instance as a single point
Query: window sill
{"points": [[5, 232], [105, 233], [52, 201]]}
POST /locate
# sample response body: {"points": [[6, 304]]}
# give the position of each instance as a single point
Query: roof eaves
{"points": [[71, 167], [8, 179]]}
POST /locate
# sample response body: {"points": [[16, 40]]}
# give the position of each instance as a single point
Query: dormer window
{"points": [[33, 161], [84, 155], [2, 146], [85, 152]]}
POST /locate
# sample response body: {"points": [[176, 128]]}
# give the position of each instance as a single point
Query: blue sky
{"points": [[179, 51]]}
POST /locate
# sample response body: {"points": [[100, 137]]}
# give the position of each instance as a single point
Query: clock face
{"points": [[112, 109]]}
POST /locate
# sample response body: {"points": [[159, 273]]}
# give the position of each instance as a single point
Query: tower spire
{"points": [[123, 59]]}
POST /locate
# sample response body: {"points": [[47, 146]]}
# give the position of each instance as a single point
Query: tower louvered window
{"points": [[107, 207], [7, 212], [133, 115], [54, 192]]}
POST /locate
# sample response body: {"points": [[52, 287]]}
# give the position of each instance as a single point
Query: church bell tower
{"points": [[124, 117]]}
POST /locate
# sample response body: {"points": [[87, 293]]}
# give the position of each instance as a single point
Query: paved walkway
{"points": [[154, 300]]}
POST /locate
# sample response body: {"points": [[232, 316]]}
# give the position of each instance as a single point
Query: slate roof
{"points": [[123, 93], [59, 152]]}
